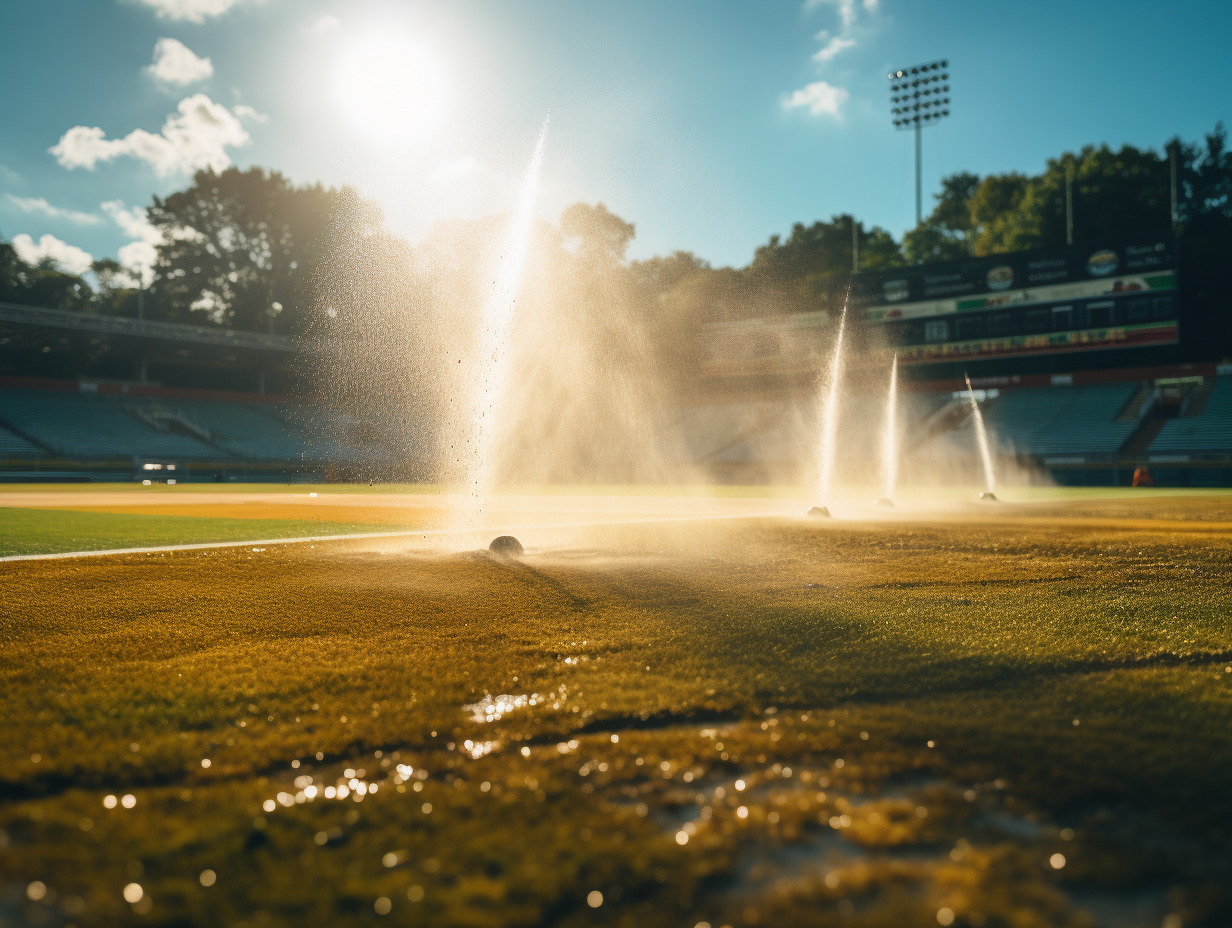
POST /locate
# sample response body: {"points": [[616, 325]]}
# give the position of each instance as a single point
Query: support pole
{"points": [[1172, 173], [1069, 203], [919, 212], [855, 246]]}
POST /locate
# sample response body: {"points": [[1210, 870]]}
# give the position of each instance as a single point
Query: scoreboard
{"points": [[1104, 295]]}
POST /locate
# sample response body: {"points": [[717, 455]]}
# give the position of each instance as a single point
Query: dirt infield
{"points": [[998, 716]]}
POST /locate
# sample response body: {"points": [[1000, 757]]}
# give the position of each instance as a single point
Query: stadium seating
{"points": [[1060, 420], [241, 430], [89, 426], [13, 445], [1208, 431], [764, 435]]}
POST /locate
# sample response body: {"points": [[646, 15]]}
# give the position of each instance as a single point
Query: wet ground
{"points": [[1011, 715]]}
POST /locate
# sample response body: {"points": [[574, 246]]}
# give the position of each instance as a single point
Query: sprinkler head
{"points": [[506, 546], [988, 496], [819, 512], [885, 502]]}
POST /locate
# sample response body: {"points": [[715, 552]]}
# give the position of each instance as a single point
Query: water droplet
{"points": [[594, 899], [36, 891], [208, 878], [133, 893]]}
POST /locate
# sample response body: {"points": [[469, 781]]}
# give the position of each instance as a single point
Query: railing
{"points": [[144, 328]]}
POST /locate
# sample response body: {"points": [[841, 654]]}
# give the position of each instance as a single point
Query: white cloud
{"points": [[846, 9], [327, 23], [194, 11], [68, 258], [244, 111], [831, 46], [819, 98], [42, 207], [176, 63], [138, 256], [196, 136]]}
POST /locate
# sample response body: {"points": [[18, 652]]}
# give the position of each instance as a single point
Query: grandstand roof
{"points": [[11, 313]]}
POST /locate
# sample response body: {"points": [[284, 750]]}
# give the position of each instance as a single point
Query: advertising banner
{"points": [[1080, 272]]}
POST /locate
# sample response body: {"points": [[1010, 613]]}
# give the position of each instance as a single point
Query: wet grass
{"points": [[53, 531], [758, 723]]}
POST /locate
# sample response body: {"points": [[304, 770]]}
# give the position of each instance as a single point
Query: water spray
{"points": [[889, 441], [829, 421], [496, 326], [981, 435]]}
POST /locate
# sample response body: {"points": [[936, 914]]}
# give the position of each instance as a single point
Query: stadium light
{"points": [[919, 96]]}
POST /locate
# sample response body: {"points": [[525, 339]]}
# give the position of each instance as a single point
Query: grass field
{"points": [[1001, 716]]}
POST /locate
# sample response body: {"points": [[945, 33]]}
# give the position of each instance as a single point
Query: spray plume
{"points": [[496, 326], [889, 442], [982, 437], [829, 413]]}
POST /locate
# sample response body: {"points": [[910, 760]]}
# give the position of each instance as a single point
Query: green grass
{"points": [[893, 708], [51, 531]]}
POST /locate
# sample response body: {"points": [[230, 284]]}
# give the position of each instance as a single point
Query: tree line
{"points": [[249, 250]]}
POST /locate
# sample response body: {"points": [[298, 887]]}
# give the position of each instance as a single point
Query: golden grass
{"points": [[919, 715]]}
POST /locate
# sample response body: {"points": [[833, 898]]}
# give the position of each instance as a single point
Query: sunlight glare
{"points": [[392, 88]]}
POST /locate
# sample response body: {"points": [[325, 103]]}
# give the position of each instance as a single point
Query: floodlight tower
{"points": [[920, 96]]}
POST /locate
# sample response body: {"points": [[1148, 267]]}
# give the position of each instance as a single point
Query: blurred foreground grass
{"points": [[1000, 722]]}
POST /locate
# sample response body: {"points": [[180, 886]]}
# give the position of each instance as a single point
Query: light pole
{"points": [[920, 96]]}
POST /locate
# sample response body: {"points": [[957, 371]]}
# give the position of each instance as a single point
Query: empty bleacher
{"points": [[81, 425], [1208, 431], [241, 430], [87, 426], [1087, 424], [1060, 420], [13, 445]]}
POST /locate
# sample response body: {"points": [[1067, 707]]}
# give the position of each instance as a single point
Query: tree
{"points": [[242, 249], [946, 235], [116, 294], [600, 233]]}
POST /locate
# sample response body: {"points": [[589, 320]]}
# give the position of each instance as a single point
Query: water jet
{"points": [[889, 440], [982, 437], [496, 327], [829, 419]]}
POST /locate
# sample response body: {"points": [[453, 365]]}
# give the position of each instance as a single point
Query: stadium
{"points": [[498, 571]]}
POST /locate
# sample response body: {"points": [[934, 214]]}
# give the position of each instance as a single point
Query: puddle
{"points": [[349, 783], [494, 708]]}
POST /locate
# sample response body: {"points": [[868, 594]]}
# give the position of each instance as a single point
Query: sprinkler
{"points": [[819, 512], [506, 546], [885, 502], [988, 496]]}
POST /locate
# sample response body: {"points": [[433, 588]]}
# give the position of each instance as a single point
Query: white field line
{"points": [[423, 533]]}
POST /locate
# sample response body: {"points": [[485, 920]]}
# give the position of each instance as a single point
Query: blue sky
{"points": [[675, 113]]}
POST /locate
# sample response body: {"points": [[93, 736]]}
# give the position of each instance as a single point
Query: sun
{"points": [[392, 89]]}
